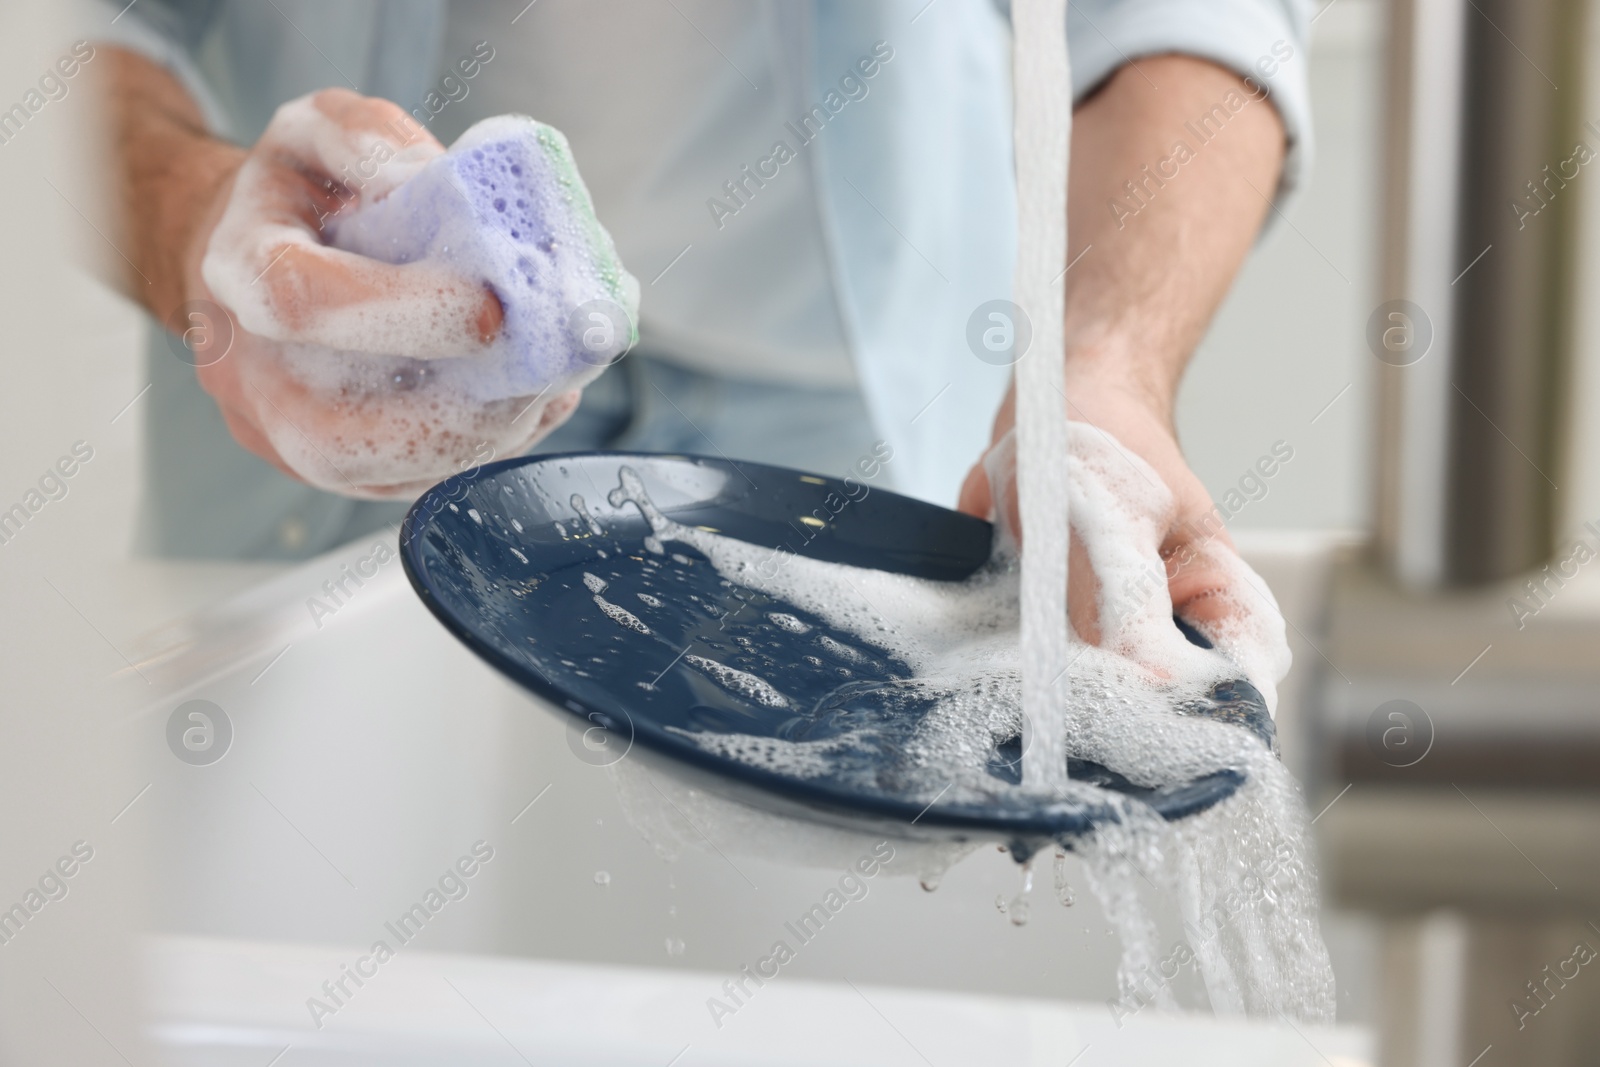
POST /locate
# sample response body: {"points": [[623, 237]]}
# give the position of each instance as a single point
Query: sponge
{"points": [[505, 206]]}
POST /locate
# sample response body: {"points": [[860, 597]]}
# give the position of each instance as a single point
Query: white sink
{"points": [[371, 752], [220, 1003]]}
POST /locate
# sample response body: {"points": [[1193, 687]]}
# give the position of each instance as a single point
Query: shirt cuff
{"points": [[1264, 40], [156, 38]]}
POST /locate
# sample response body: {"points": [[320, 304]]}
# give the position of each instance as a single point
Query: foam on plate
{"points": [[1126, 706]]}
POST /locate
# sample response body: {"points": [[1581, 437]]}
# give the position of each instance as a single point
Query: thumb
{"points": [[990, 490], [975, 498], [1214, 590], [266, 261]]}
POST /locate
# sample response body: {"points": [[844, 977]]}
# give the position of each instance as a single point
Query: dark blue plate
{"points": [[511, 557]]}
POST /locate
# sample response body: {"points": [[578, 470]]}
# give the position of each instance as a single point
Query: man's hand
{"points": [[210, 222], [1138, 303], [1129, 419]]}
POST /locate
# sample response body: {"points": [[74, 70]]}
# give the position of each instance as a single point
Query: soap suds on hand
{"points": [[502, 212]]}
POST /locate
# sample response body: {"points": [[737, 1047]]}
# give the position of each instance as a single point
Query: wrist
{"points": [[1111, 368], [174, 177], [183, 195]]}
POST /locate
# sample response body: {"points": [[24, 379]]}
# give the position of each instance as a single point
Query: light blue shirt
{"points": [[912, 188]]}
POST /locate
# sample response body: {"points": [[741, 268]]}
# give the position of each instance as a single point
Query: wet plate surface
{"points": [[529, 564]]}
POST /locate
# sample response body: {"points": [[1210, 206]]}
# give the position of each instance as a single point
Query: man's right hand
{"points": [[211, 223]]}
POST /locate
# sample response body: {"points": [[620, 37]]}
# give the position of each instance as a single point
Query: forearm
{"points": [[1158, 259], [166, 169]]}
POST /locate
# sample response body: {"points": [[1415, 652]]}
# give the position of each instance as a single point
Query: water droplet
{"points": [[604, 878], [675, 946], [1064, 891], [1017, 909]]}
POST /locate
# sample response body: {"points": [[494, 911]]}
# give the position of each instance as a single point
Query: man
{"points": [[794, 310]]}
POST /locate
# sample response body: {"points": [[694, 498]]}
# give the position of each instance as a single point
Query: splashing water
{"points": [[1240, 872], [1261, 958]]}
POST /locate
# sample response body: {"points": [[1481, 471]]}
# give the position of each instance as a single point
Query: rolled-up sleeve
{"points": [[166, 32], [1265, 40]]}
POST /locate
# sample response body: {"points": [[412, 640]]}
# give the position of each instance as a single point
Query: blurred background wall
{"points": [[70, 368], [1287, 358]]}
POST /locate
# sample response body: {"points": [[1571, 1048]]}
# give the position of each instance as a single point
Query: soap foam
{"points": [[503, 212], [621, 615], [1124, 711], [741, 683]]}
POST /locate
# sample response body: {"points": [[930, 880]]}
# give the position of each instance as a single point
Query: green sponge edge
{"points": [[622, 286]]}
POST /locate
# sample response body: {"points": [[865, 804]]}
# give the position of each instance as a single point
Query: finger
{"points": [[550, 415], [1117, 587], [221, 382], [1221, 596], [1083, 594], [1000, 475], [335, 150], [556, 412], [975, 499], [267, 263], [998, 466], [978, 497], [310, 294], [366, 144], [1195, 580], [249, 435]]}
